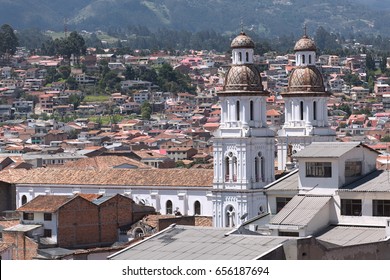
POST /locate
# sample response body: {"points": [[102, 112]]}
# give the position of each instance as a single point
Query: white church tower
{"points": [[244, 147], [306, 113]]}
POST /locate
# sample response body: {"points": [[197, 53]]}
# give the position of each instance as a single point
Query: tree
{"points": [[129, 73], [74, 44], [8, 40], [146, 110]]}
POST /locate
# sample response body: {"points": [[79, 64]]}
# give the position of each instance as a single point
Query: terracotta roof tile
{"points": [[45, 203], [120, 177], [103, 162]]}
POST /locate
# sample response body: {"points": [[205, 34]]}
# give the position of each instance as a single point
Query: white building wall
{"points": [[182, 198]]}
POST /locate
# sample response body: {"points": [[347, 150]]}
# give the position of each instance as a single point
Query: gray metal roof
{"points": [[286, 183], [23, 228], [102, 199], [326, 149], [377, 181], [351, 235], [300, 210], [199, 243]]}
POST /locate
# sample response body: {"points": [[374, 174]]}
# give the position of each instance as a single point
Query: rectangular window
{"points": [[28, 216], [351, 207], [281, 202], [47, 216], [319, 169], [381, 208], [353, 168], [47, 233]]}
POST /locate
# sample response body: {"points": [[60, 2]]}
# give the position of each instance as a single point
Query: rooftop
{"points": [[199, 243], [119, 177]]}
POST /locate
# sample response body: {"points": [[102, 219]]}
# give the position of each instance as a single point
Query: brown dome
{"points": [[242, 41], [306, 80], [243, 79], [305, 44]]}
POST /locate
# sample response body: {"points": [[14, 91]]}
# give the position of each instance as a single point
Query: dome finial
{"points": [[242, 26], [305, 30]]}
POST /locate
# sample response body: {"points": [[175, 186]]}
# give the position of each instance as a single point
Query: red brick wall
{"points": [[78, 223], [24, 248]]}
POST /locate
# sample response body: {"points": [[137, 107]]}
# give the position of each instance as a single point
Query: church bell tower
{"points": [[244, 147]]}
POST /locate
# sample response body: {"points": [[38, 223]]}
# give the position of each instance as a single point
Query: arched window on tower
{"points": [[197, 208], [315, 110], [235, 169], [227, 169], [251, 110], [309, 58], [247, 56], [303, 59], [230, 216], [24, 199], [301, 110], [259, 168], [168, 207], [240, 56], [238, 110], [257, 171]]}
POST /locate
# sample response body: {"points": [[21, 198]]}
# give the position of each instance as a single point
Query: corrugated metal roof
{"points": [[300, 210], [101, 200], [199, 243], [22, 228], [326, 149], [286, 183], [352, 235], [377, 181]]}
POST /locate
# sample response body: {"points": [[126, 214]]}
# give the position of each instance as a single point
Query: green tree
{"points": [[8, 40], [146, 110], [129, 73], [74, 44]]}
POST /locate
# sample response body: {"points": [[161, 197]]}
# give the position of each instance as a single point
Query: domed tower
{"points": [[306, 113], [243, 145]]}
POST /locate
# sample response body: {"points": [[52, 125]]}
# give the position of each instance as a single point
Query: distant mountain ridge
{"points": [[266, 17]]}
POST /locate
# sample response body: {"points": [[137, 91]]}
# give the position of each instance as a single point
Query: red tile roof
{"points": [[120, 177]]}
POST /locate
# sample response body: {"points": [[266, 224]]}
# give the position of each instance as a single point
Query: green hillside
{"points": [[267, 17]]}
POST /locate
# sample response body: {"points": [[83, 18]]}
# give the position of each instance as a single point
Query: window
{"points": [[301, 110], [247, 56], [315, 110], [281, 202], [353, 168], [227, 169], [251, 110], [351, 207], [168, 207], [197, 208], [289, 233], [303, 59], [235, 168], [381, 208], [28, 216], [319, 169], [47, 233], [47, 216], [24, 199], [238, 110], [309, 59], [240, 56]]}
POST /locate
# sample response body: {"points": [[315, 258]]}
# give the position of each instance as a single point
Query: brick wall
{"points": [[78, 223], [24, 249]]}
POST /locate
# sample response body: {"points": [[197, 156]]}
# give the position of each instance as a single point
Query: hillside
{"points": [[267, 17]]}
